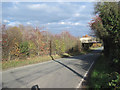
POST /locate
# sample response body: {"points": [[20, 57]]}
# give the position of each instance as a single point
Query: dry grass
{"points": [[18, 63]]}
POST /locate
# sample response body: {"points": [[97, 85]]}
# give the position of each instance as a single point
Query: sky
{"points": [[54, 16]]}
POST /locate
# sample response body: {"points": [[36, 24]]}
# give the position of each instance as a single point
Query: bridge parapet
{"points": [[89, 40]]}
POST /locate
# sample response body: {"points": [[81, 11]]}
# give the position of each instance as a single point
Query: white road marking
{"points": [[79, 85]]}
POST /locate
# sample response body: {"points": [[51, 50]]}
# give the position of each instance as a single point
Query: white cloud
{"points": [[83, 6], [52, 23], [62, 23], [6, 21], [14, 23], [29, 23], [44, 7], [77, 15], [48, 23], [77, 23], [37, 6], [71, 23], [53, 15]]}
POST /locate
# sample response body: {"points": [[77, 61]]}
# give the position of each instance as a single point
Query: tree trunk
{"points": [[50, 47], [106, 47], [9, 56]]}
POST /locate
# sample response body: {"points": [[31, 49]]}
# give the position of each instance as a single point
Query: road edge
{"points": [[80, 84]]}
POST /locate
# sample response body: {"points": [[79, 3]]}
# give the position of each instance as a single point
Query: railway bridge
{"points": [[88, 41]]}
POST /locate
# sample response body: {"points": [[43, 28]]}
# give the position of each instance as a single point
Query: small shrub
{"points": [[115, 80], [24, 49]]}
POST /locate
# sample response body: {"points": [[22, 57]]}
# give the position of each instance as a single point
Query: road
{"points": [[59, 73]]}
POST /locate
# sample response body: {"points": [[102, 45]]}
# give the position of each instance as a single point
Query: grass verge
{"points": [[99, 76], [18, 63], [37, 59]]}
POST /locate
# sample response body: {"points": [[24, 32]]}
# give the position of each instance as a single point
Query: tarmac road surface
{"points": [[59, 73]]}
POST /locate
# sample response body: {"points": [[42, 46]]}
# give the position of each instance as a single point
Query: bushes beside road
{"points": [[103, 76], [106, 25], [25, 42], [20, 44]]}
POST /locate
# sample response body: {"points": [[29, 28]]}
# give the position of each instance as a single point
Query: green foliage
{"points": [[11, 36], [15, 51], [24, 48], [107, 27], [115, 60], [99, 77], [115, 80], [32, 46], [110, 17], [17, 41], [32, 49], [57, 45], [62, 45]]}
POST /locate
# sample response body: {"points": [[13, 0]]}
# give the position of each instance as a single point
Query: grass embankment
{"points": [[18, 63], [99, 76], [37, 59]]}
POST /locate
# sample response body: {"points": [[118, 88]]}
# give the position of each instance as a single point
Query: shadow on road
{"points": [[69, 69], [88, 58]]}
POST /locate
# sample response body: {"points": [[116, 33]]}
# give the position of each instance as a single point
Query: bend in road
{"points": [[60, 73]]}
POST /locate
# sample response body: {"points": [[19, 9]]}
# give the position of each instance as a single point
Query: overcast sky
{"points": [[57, 17]]}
